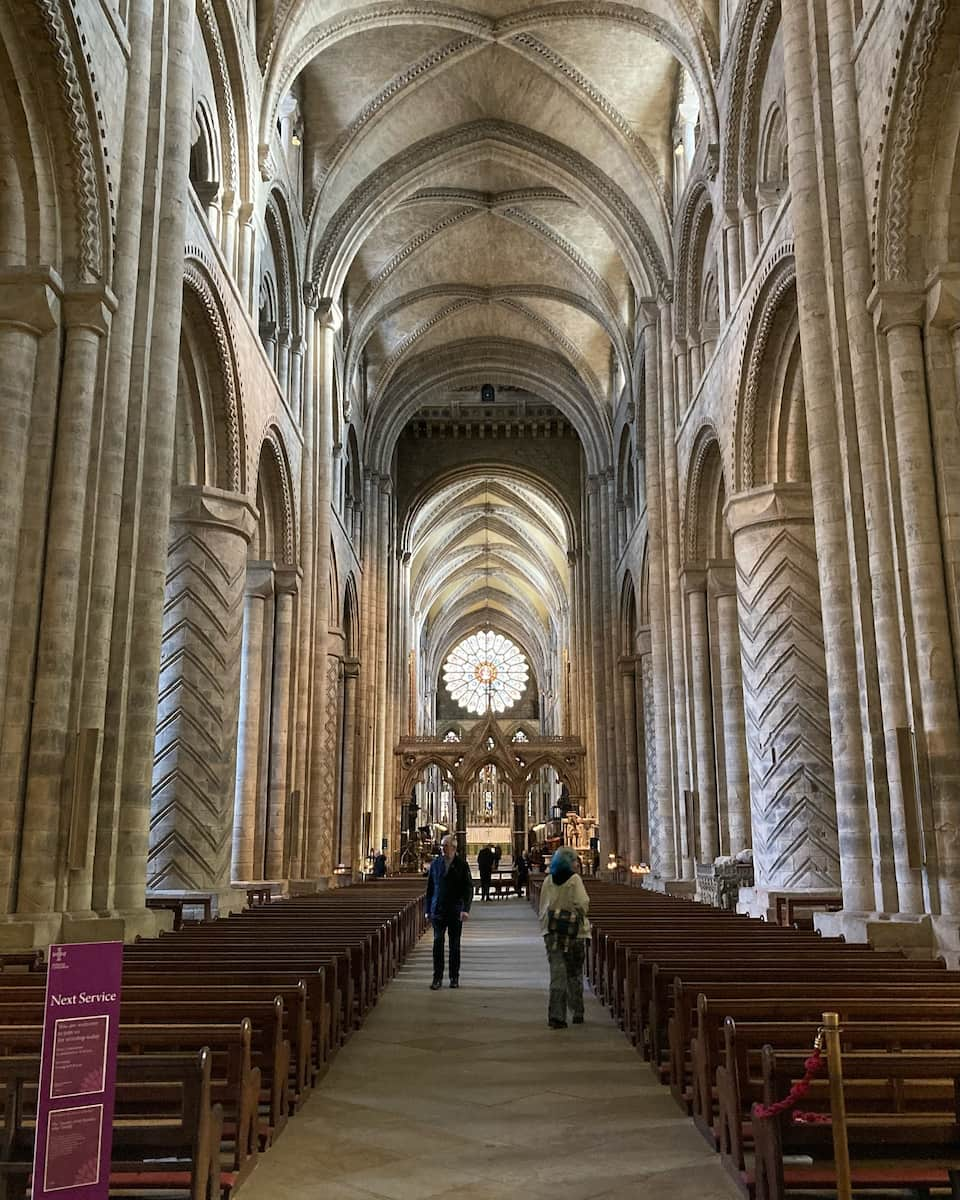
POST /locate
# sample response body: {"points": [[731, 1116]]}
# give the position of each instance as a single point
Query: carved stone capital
{"points": [[351, 668], [627, 665], [593, 484], [772, 504], [30, 298], [259, 579], [943, 296], [329, 314], [894, 304], [210, 506], [648, 312], [693, 578], [721, 579], [287, 580], [89, 306], [643, 642]]}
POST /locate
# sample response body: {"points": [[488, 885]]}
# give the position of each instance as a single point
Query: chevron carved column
{"points": [[785, 689], [194, 768]]}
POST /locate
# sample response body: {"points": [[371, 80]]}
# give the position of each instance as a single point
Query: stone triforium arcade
{"points": [[461, 762]]}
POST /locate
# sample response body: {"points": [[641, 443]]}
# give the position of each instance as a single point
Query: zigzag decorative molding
{"points": [[191, 796], [785, 703]]}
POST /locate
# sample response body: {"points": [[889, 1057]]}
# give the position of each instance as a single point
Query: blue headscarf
{"points": [[562, 865]]}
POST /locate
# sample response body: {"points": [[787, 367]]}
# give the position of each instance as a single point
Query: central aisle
{"points": [[468, 1094]]}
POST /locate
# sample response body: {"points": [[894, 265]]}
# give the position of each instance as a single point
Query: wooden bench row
{"points": [[727, 1009], [225, 1029]]}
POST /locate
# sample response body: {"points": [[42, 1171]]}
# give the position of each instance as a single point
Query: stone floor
{"points": [[468, 1094]]}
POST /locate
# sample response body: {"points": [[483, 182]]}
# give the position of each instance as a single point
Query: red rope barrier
{"points": [[811, 1068]]}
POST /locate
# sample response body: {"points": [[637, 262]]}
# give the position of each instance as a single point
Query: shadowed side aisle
{"points": [[468, 1093]]}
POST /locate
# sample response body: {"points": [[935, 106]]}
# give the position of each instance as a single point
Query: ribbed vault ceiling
{"points": [[494, 179]]}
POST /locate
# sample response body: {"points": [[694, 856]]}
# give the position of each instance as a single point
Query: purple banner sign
{"points": [[78, 1068]]}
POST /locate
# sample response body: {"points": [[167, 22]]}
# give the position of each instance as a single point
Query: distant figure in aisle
{"points": [[449, 896], [380, 866], [522, 872], [485, 861], [564, 904], [496, 857]]}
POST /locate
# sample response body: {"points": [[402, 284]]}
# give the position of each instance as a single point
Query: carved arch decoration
{"points": [[226, 55], [279, 222], [198, 279], [518, 762], [702, 516], [779, 281], [297, 41], [350, 615], [65, 110], [695, 227], [904, 202], [273, 447], [751, 39]]}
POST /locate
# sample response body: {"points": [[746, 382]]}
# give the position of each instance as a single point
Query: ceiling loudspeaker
{"points": [[487, 394]]}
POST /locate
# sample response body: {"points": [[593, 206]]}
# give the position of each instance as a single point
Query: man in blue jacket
{"points": [[449, 896]]}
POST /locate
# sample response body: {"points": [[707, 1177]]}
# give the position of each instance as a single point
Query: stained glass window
{"points": [[486, 671]]}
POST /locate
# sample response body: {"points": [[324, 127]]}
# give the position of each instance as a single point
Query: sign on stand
{"points": [[78, 1068]]}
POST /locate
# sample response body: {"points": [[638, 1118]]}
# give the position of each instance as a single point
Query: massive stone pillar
{"points": [[630, 806], [659, 692], [695, 587], [192, 796], [348, 824], [598, 659], [47, 847], [900, 317], [322, 398], [286, 584], [785, 691], [252, 746], [828, 455], [722, 585]]}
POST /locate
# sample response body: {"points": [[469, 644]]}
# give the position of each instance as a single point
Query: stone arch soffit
{"points": [[751, 40], [231, 462], [30, 214], [628, 614], [705, 480], [905, 196], [482, 471], [608, 321], [350, 613], [643, 591], [227, 56], [693, 233], [280, 231], [334, 588], [504, 364], [689, 37], [775, 290], [273, 449], [333, 243], [57, 93], [566, 348]]}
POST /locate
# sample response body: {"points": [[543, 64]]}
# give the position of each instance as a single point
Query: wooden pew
{"points": [[167, 1128]]}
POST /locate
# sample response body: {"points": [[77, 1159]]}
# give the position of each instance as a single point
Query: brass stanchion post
{"points": [[838, 1111]]}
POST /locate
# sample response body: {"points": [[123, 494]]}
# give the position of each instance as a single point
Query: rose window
{"points": [[486, 672]]}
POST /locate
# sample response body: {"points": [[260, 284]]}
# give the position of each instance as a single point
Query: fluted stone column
{"points": [[286, 584], [192, 796], [785, 690], [630, 808], [900, 316], [731, 244], [601, 719], [45, 825], [248, 817], [695, 586], [348, 828], [722, 584], [640, 731]]}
